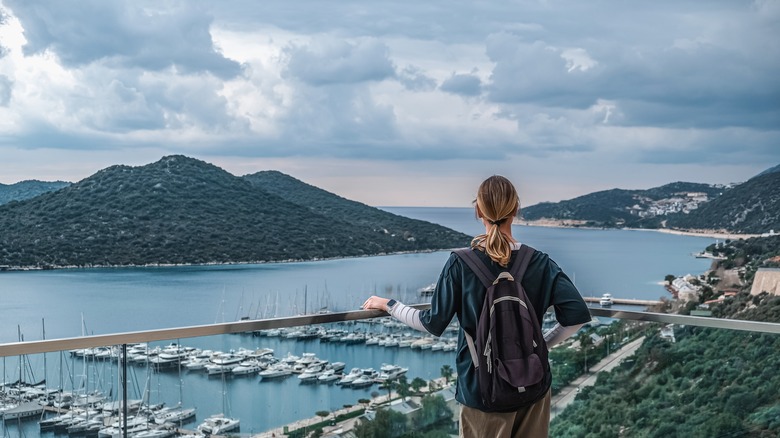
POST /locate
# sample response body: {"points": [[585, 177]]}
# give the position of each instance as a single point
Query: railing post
{"points": [[124, 390]]}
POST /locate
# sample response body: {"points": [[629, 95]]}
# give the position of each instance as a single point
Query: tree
{"points": [[386, 424], [434, 412], [402, 385], [388, 385], [418, 384], [446, 372]]}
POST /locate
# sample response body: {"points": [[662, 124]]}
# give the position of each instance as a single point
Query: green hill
{"points": [[618, 207], [181, 210], [321, 202], [752, 207], [28, 189]]}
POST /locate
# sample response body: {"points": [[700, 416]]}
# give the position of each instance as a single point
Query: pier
{"points": [[628, 301]]}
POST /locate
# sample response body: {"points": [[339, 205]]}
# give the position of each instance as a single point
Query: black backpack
{"points": [[508, 350]]}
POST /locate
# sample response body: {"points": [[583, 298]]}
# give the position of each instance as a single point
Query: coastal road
{"points": [[569, 393]]}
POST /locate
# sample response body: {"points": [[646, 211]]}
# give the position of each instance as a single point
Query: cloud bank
{"points": [[472, 83]]}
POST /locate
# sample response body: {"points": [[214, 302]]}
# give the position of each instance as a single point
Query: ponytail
{"points": [[498, 202]]}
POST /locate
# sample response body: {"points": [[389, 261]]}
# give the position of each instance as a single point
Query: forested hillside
{"points": [[181, 210], [321, 202], [618, 207], [752, 207], [707, 383]]}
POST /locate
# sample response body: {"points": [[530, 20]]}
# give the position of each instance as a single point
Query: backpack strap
{"points": [[522, 259], [482, 272], [480, 269], [476, 265]]}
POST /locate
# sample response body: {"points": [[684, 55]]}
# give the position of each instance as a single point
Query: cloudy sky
{"points": [[396, 102]]}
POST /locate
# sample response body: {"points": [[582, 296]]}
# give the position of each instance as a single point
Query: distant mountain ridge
{"points": [[180, 210], [28, 189], [619, 207], [752, 207]]}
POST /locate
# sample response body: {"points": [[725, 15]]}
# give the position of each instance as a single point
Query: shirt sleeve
{"points": [[409, 316], [446, 299], [554, 288]]}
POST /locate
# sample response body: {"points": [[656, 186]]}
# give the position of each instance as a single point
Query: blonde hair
{"points": [[498, 202]]}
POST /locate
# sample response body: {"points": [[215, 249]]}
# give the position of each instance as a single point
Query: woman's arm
{"points": [[407, 315]]}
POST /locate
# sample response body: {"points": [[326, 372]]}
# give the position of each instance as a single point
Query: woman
{"points": [[459, 292]]}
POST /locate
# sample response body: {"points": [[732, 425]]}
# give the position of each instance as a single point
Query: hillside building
{"points": [[683, 289]]}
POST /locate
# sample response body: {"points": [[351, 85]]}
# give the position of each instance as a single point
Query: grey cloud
{"points": [[462, 84], [6, 86], [534, 72], [329, 61], [414, 79], [43, 135], [703, 87], [728, 145], [3, 20], [338, 121], [689, 84], [123, 34]]}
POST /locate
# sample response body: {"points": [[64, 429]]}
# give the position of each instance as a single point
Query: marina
{"points": [[93, 413]]}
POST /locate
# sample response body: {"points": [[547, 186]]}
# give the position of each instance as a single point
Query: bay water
{"points": [[625, 263]]}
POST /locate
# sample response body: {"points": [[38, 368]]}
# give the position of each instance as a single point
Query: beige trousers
{"points": [[528, 422]]}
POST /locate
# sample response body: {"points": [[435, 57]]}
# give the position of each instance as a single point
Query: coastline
{"points": [[714, 234], [9, 268]]}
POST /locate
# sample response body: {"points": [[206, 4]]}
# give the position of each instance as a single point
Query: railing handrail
{"points": [[51, 345]]}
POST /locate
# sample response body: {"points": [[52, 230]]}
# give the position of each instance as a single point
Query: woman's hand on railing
{"points": [[376, 303]]}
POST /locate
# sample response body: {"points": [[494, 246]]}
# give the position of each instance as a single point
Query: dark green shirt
{"points": [[460, 292]]}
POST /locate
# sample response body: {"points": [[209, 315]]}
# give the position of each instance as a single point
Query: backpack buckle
{"points": [[504, 276]]}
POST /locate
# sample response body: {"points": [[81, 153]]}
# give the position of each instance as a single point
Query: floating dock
{"points": [[627, 301]]}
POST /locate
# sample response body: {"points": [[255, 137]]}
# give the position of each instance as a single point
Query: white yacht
{"points": [[606, 300], [390, 372], [422, 344], [246, 367], [350, 377], [174, 415], [223, 363], [328, 376], [280, 369], [311, 373], [218, 424], [367, 378]]}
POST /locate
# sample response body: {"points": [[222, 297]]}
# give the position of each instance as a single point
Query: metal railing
{"points": [[45, 346]]}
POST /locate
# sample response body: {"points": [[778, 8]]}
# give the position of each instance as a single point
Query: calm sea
{"points": [[628, 264]]}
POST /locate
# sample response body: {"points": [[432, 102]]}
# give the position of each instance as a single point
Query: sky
{"points": [[396, 103]]}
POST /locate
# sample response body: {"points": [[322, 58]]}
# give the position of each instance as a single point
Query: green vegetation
{"points": [[752, 207], [28, 189], [612, 208], [709, 382], [432, 420], [304, 431], [570, 363], [184, 211]]}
